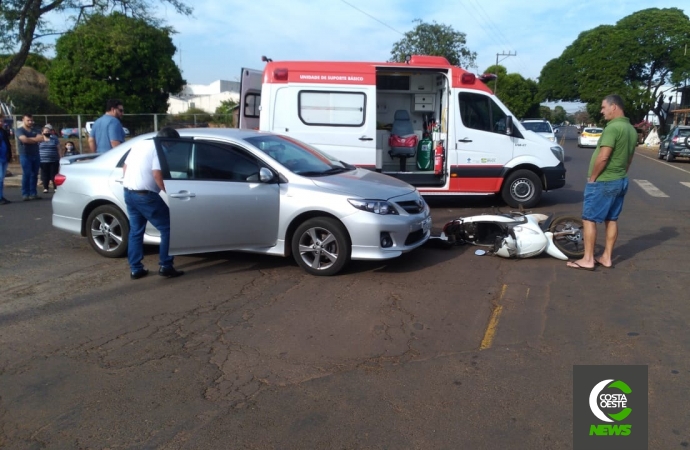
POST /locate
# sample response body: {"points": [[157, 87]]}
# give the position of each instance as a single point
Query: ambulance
{"points": [[434, 125]]}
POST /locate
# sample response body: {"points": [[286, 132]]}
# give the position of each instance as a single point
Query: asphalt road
{"points": [[249, 352]]}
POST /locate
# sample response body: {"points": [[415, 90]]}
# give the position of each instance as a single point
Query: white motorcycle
{"points": [[518, 235]]}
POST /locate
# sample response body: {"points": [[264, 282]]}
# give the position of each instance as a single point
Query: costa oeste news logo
{"points": [[610, 407]]}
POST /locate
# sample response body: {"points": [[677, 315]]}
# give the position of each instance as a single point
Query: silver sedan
{"points": [[248, 191]]}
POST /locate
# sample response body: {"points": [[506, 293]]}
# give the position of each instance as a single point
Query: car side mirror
{"points": [[265, 175], [509, 125]]}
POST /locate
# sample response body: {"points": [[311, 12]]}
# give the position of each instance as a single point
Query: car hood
{"points": [[364, 183], [538, 137]]}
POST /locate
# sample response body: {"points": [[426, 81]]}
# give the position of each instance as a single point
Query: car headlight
{"points": [[558, 152], [374, 206], [552, 138]]}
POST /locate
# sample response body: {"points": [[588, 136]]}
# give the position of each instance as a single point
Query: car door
{"points": [[250, 99], [481, 147], [216, 199]]}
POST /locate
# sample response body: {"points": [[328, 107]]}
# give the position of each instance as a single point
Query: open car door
{"points": [[250, 99]]}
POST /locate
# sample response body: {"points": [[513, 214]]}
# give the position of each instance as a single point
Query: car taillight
{"points": [[675, 139], [59, 179]]}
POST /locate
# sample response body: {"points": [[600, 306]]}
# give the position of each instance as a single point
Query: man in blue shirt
{"points": [[5, 156], [107, 131], [29, 157]]}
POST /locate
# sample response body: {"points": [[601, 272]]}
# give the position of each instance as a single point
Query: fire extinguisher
{"points": [[438, 159]]}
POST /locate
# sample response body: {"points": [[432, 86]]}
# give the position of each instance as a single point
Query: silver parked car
{"points": [[250, 191]]}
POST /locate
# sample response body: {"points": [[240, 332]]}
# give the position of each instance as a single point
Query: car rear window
{"points": [[684, 132], [593, 130]]}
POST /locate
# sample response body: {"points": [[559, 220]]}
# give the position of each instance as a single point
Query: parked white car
{"points": [[244, 190], [540, 126], [86, 130]]}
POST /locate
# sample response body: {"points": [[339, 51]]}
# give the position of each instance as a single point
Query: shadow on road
{"points": [[641, 243]]}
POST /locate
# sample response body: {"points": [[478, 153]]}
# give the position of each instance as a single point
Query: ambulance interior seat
{"points": [[403, 140]]}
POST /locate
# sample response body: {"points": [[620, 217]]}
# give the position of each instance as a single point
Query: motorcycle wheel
{"points": [[572, 245]]}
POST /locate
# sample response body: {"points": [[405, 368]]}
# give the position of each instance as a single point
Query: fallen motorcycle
{"points": [[517, 234]]}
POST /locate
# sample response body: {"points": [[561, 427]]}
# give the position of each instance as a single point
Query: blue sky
{"points": [[224, 36]]}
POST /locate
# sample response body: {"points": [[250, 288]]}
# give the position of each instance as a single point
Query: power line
{"points": [[372, 17]]}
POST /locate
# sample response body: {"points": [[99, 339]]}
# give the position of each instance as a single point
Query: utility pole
{"points": [[497, 55]]}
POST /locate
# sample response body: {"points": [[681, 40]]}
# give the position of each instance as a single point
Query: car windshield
{"points": [[297, 156], [593, 130], [537, 127]]}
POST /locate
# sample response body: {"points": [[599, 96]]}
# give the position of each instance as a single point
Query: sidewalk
{"points": [[16, 179]]}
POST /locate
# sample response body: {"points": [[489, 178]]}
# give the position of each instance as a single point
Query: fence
{"points": [[72, 127]]}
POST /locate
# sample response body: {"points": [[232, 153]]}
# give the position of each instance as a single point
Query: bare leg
{"points": [[590, 238], [611, 237]]}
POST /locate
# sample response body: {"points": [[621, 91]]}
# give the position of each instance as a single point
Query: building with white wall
{"points": [[206, 97]]}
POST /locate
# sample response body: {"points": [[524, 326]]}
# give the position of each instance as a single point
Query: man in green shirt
{"points": [[607, 183]]}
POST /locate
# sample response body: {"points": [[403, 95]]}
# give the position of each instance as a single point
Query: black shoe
{"points": [[170, 272], [139, 274]]}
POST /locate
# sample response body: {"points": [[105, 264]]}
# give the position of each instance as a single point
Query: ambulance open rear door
{"points": [[250, 99]]}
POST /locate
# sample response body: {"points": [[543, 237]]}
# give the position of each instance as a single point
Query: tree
{"points": [[517, 93], [435, 40], [636, 59], [114, 56], [24, 22], [223, 114], [559, 115]]}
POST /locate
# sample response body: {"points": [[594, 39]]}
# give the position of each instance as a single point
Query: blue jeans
{"points": [[3, 169], [142, 208], [30, 165], [604, 200]]}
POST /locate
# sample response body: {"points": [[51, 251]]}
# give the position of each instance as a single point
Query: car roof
{"points": [[534, 120]]}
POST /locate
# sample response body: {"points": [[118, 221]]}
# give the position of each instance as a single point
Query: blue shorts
{"points": [[604, 200]]}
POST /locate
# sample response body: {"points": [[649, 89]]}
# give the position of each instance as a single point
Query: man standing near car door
{"points": [[607, 183], [107, 132], [143, 181]]}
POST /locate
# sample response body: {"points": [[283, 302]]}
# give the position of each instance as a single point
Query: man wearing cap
{"points": [[50, 157], [29, 157]]}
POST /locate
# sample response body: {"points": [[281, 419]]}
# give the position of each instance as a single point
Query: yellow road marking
{"points": [[493, 322]]}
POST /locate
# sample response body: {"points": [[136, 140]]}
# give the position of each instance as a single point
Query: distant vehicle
{"points": [[86, 131], [540, 126], [675, 144], [589, 137], [69, 133]]}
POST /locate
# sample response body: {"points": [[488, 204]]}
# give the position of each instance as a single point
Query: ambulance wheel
{"points": [[321, 246], [522, 187]]}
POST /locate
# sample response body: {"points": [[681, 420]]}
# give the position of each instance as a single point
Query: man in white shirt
{"points": [[143, 182]]}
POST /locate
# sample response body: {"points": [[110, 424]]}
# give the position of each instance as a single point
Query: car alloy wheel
{"points": [[321, 246], [108, 231]]}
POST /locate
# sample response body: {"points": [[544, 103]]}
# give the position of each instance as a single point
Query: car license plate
{"points": [[426, 224]]}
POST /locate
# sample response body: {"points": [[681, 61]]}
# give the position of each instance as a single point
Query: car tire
{"points": [[660, 155], [669, 155], [321, 246], [687, 141], [107, 229], [522, 187]]}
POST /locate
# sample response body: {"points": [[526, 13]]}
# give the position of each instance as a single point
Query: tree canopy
{"points": [[637, 58], [435, 40], [517, 93], [24, 22], [114, 56]]}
